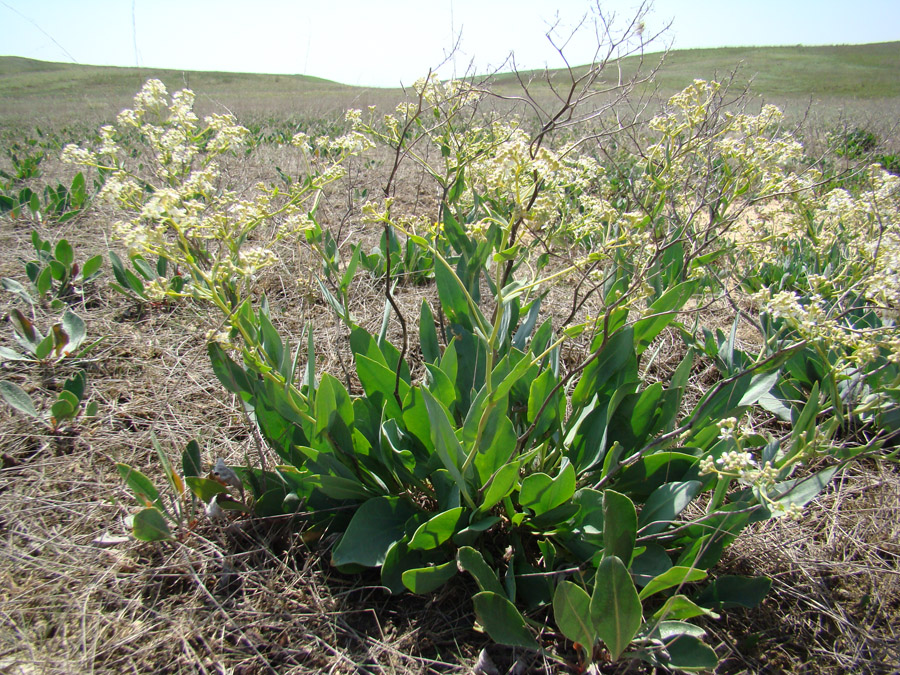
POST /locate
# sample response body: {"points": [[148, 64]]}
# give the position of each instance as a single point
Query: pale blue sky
{"points": [[386, 42]]}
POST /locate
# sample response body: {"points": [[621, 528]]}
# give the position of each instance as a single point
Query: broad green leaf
{"points": [[572, 613], [539, 392], [341, 488], [669, 629], [397, 560], [541, 493], [472, 561], [650, 563], [437, 530], [687, 653], [149, 525], [191, 464], [332, 402], [468, 535], [734, 591], [426, 579], [619, 526], [428, 340], [615, 608], [377, 524], [91, 267], [44, 282], [76, 385], [204, 488], [61, 410], [664, 505], [803, 491], [615, 355], [503, 483], [502, 621], [64, 253], [679, 608], [674, 576], [7, 354], [139, 484], [45, 346], [661, 313], [445, 443], [644, 476], [74, 327], [15, 396], [378, 380]]}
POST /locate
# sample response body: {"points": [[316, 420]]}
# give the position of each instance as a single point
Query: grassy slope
{"points": [[36, 90]]}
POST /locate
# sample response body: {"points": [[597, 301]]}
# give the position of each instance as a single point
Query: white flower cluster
{"points": [[181, 210]]}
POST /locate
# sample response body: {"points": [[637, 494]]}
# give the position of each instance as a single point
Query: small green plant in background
{"points": [[853, 143], [54, 276], [63, 340], [64, 412], [192, 495], [26, 156], [147, 283]]}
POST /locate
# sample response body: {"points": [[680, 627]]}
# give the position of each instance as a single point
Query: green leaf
{"points": [[679, 608], [45, 346], [445, 441], [230, 374], [44, 282], [76, 385], [734, 591], [661, 313], [688, 653], [428, 340], [502, 621], [204, 488], [473, 562], [74, 327], [615, 608], [14, 286], [572, 612], [191, 464], [649, 564], [674, 576], [619, 526], [664, 505], [801, 492], [468, 535], [139, 484], [64, 253], [615, 355], [15, 396], [427, 579], [149, 525], [434, 532], [375, 526], [91, 267], [339, 487], [503, 483], [541, 493], [62, 409]]}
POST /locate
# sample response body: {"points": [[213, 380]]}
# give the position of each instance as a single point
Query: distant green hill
{"points": [[43, 92], [858, 71]]}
